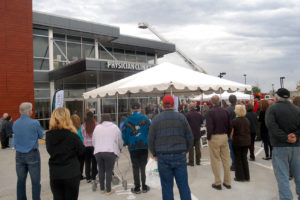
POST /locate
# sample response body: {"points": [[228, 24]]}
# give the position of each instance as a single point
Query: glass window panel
{"points": [[41, 85], [129, 52], [140, 53], [57, 64], [88, 41], [141, 59], [41, 93], [41, 64], [74, 93], [130, 58], [150, 59], [121, 51], [108, 105], [73, 39], [57, 54], [59, 37], [105, 55], [88, 51], [120, 56], [42, 112], [40, 46], [38, 31], [74, 51]]}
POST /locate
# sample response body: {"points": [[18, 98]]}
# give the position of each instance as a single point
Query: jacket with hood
{"points": [[64, 148], [135, 131], [107, 138]]}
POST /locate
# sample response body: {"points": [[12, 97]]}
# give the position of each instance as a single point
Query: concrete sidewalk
{"points": [[262, 186]]}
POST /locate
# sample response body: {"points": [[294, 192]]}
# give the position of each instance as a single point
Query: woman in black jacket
{"points": [[241, 140], [252, 117], [264, 130], [64, 147]]}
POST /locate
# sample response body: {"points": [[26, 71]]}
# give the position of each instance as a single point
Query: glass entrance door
{"points": [[75, 107]]}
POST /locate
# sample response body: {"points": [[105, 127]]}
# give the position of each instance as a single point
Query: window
{"points": [[40, 47], [38, 31], [74, 51], [88, 51], [41, 63]]}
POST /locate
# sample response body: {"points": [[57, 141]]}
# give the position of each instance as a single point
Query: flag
{"points": [[58, 100]]}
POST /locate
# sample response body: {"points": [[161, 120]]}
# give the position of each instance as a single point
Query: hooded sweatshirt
{"points": [[107, 138], [135, 131], [64, 148]]}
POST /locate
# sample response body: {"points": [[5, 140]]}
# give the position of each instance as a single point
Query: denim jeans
{"points": [[28, 162], [170, 166], [12, 142], [285, 159]]}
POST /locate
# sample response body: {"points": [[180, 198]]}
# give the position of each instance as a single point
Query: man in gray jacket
{"points": [[283, 122]]}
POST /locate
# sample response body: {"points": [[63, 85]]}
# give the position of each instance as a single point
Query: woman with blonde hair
{"points": [[241, 140], [64, 147]]}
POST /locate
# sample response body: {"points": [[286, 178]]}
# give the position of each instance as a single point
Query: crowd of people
{"points": [[169, 136]]}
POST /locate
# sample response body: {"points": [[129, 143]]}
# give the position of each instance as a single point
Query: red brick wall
{"points": [[16, 55]]}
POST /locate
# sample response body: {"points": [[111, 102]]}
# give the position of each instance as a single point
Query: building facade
{"points": [[71, 55]]}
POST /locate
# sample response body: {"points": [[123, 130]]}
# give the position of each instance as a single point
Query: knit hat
{"points": [[284, 93], [168, 101]]}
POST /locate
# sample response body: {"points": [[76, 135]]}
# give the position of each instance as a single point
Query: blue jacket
{"points": [[135, 131]]}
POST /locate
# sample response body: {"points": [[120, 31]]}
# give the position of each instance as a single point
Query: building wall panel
{"points": [[16, 56]]}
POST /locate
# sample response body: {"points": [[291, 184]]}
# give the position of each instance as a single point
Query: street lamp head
{"points": [[143, 25]]}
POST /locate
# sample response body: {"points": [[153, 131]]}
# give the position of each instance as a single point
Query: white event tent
{"points": [[167, 78], [225, 96]]}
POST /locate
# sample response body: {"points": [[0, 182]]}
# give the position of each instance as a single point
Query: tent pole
{"points": [[98, 109], [117, 110]]}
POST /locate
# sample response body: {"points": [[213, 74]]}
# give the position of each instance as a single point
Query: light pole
{"points": [[222, 74], [245, 78], [281, 81]]}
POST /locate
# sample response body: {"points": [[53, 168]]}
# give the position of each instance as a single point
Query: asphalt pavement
{"points": [[262, 186]]}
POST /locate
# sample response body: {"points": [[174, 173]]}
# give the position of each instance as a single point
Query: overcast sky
{"points": [[259, 38]]}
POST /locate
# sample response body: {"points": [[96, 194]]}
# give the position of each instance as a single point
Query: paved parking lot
{"points": [[261, 187]]}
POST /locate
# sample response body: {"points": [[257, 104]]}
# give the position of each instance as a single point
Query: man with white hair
{"points": [[27, 132], [2, 130], [283, 122]]}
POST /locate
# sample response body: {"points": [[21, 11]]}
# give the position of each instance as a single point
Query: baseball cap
{"points": [[135, 105], [282, 92], [168, 101]]}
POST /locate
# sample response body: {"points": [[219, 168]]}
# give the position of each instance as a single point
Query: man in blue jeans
{"points": [[283, 122], [170, 138], [27, 132]]}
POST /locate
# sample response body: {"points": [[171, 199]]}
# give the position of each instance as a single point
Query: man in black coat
{"points": [[195, 121]]}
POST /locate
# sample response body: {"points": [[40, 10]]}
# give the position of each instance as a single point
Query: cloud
{"points": [[253, 37]]}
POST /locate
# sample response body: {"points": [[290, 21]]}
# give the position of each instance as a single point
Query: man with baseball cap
{"points": [[170, 138], [283, 122], [135, 134]]}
